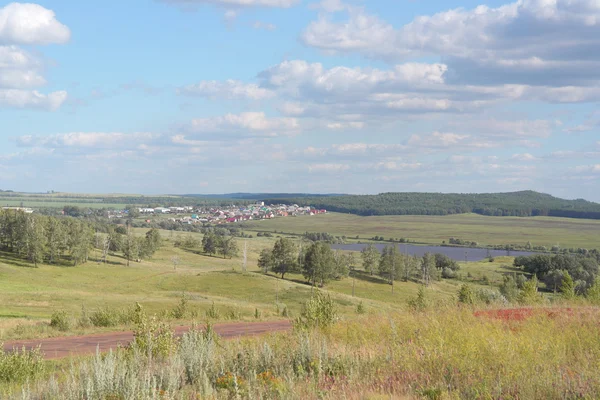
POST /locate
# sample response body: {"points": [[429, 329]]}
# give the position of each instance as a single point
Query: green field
{"points": [[58, 203], [546, 231], [29, 296]]}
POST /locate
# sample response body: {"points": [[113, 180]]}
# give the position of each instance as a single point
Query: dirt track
{"points": [[65, 346]]}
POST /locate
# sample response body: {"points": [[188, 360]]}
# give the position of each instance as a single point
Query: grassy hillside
{"points": [[29, 296], [521, 204]]}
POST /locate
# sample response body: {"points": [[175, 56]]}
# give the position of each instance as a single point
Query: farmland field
{"points": [[546, 231]]}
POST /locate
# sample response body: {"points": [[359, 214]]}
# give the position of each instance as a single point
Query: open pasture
{"points": [[545, 231]]}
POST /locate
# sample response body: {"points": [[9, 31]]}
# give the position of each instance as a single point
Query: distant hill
{"points": [[260, 196], [522, 204]]}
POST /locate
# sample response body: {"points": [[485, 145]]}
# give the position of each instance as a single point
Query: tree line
{"points": [[40, 238], [555, 269], [214, 242], [521, 204], [319, 264]]}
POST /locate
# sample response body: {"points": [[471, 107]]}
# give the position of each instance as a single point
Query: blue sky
{"points": [[212, 96]]}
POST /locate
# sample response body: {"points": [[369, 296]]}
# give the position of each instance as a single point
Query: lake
{"points": [[455, 253]]}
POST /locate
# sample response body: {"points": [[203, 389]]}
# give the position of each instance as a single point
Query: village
{"points": [[223, 215]]}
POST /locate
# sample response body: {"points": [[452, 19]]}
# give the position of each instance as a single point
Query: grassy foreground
{"points": [[442, 353], [546, 231]]}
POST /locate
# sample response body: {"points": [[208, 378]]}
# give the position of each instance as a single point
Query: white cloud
{"points": [[15, 98], [524, 157], [293, 109], [264, 26], [558, 47], [328, 168], [345, 125], [229, 89], [237, 3], [593, 169], [90, 140], [26, 23], [330, 6], [245, 124], [20, 71]]}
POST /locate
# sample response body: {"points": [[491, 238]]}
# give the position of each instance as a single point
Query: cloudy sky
{"points": [[356, 96]]}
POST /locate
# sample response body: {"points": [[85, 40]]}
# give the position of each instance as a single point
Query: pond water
{"points": [[455, 253]]}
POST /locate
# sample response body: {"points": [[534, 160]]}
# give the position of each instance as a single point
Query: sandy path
{"points": [[60, 347]]}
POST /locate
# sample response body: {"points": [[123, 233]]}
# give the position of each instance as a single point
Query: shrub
{"points": [[360, 308], [181, 309], [466, 295], [448, 273], [213, 312], [489, 296], [20, 366], [318, 312], [529, 294], [84, 319], [153, 338], [233, 315], [104, 317], [60, 320], [420, 302]]}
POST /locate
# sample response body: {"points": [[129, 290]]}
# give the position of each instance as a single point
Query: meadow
{"points": [[29, 296], [381, 345], [540, 231]]}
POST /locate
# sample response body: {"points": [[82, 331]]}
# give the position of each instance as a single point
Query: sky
{"points": [[331, 96]]}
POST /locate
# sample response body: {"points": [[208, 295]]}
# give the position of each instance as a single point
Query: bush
{"points": [[107, 317], [181, 310], [213, 312], [448, 273], [420, 302], [466, 295], [60, 320], [360, 308], [489, 296], [153, 338], [20, 366], [318, 312], [234, 315]]}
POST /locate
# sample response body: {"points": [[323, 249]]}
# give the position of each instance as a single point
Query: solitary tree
{"points": [[227, 247], [265, 260], [567, 288], [370, 256], [284, 257], [318, 263], [427, 267], [210, 243]]}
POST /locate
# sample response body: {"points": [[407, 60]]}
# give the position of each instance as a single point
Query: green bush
{"points": [[420, 302], [153, 338], [213, 312], [60, 320], [20, 366], [360, 308], [318, 312], [181, 310]]}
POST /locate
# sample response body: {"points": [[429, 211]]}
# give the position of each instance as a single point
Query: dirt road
{"points": [[60, 347]]}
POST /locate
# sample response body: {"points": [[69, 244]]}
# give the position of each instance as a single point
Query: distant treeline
{"points": [[519, 204]]}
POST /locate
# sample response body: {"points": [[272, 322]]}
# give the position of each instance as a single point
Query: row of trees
{"points": [[555, 269], [393, 265], [39, 238], [214, 242], [316, 261]]}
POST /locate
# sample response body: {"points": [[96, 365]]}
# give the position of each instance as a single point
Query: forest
{"points": [[515, 204]]}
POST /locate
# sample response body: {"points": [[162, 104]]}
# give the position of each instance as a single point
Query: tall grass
{"points": [[445, 353]]}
